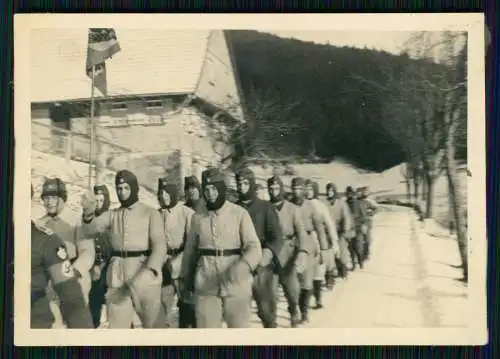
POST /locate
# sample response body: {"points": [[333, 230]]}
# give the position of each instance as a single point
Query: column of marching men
{"points": [[208, 257]]}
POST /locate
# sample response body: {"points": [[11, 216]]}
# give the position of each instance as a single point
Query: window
{"points": [[154, 104], [118, 106]]}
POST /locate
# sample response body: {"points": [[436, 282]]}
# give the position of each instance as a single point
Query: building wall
{"points": [[184, 136]]}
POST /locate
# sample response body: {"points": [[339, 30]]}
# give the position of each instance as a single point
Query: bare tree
{"points": [[266, 120]]}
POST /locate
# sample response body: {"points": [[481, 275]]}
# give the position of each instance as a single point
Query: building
{"points": [[172, 98]]}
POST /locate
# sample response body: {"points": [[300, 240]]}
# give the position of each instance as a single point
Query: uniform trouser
{"points": [[170, 297], [368, 240], [289, 281], [356, 248], [344, 259], [41, 314], [145, 301], [97, 297], [264, 293], [212, 310], [85, 283], [307, 276]]}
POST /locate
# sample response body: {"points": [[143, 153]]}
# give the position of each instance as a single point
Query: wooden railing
{"points": [[70, 145]]}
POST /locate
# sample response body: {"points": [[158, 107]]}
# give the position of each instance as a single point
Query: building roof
{"points": [[151, 62]]}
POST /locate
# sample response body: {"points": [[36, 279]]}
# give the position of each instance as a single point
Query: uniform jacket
{"points": [[267, 224], [81, 248], [50, 262], [230, 227], [330, 227], [136, 228], [367, 207], [339, 211], [176, 224], [103, 248], [313, 225], [293, 232]]}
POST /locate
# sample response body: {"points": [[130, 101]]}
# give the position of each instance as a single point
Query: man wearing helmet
{"points": [[50, 262], [317, 241], [139, 251], [81, 249], [103, 251], [294, 256], [221, 253], [266, 222], [176, 218]]}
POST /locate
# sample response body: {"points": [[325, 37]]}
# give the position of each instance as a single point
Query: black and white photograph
{"points": [[323, 174]]}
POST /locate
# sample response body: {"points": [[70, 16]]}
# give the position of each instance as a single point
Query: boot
{"points": [[304, 305], [317, 294], [330, 280], [294, 316]]}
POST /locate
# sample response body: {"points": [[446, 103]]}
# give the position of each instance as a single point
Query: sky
{"points": [[390, 41]]}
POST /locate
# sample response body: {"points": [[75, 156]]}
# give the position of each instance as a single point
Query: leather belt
{"points": [[174, 251], [219, 252], [127, 254]]}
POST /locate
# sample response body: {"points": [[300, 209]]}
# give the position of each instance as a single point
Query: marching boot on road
{"points": [[192, 192], [81, 250], [317, 242], [339, 212], [177, 223], [139, 251], [50, 262], [327, 269], [267, 225], [221, 252], [103, 249], [293, 257]]}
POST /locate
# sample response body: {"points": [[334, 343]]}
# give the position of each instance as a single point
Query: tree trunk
{"points": [[416, 188], [424, 190], [454, 197], [408, 190], [429, 196]]}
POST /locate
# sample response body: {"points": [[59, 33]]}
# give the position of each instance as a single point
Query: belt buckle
{"points": [[219, 252]]}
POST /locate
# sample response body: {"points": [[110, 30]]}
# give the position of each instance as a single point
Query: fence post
{"points": [[69, 147]]}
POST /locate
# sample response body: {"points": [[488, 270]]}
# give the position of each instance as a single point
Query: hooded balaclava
{"points": [[276, 180], [298, 181], [216, 178], [55, 187], [247, 174], [171, 189], [334, 188], [129, 178], [190, 182], [315, 188], [102, 190]]}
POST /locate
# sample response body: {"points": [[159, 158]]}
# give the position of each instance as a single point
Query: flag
{"points": [[102, 45]]}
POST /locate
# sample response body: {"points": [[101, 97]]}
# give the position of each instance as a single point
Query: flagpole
{"points": [[92, 128]]}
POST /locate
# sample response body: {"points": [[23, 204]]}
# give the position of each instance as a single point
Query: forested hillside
{"points": [[303, 98]]}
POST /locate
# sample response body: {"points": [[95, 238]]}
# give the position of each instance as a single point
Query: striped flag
{"points": [[102, 45]]}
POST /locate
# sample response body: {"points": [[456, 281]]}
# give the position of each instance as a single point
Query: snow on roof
{"points": [[151, 62]]}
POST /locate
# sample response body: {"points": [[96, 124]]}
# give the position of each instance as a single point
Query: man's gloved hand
{"points": [[350, 234], [336, 249], [239, 271], [95, 273], [88, 203], [267, 257], [301, 262]]}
